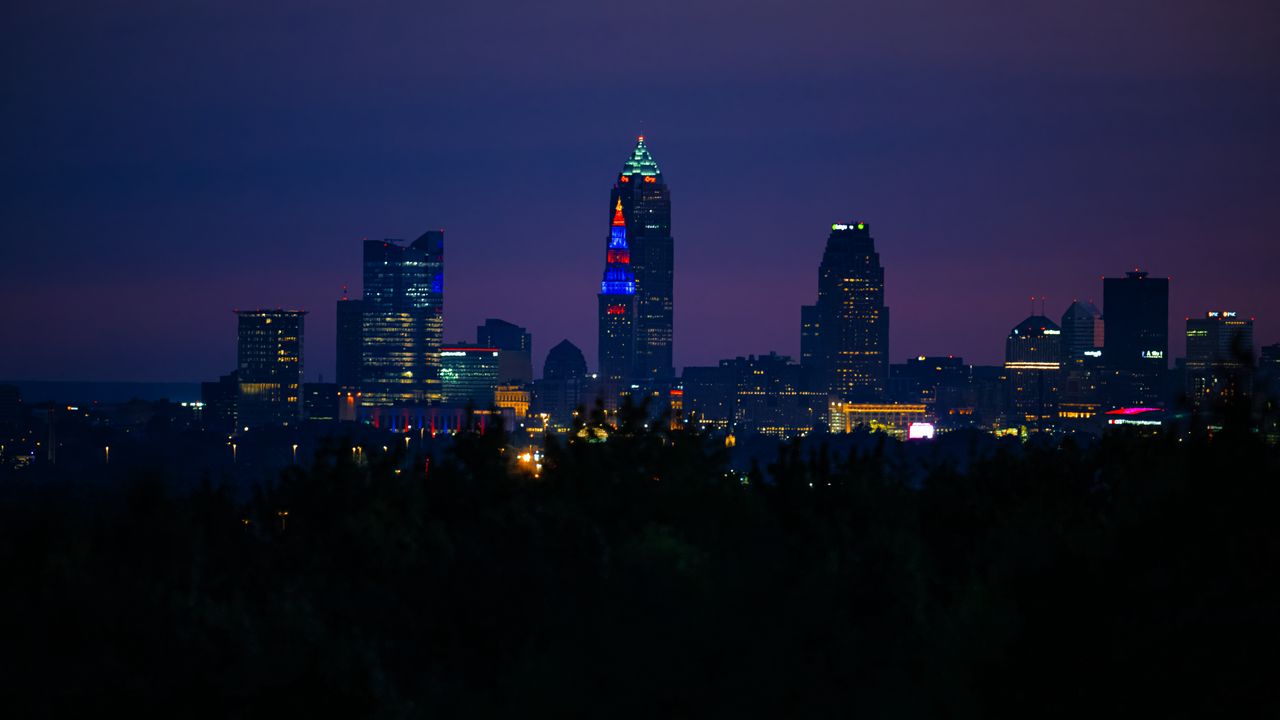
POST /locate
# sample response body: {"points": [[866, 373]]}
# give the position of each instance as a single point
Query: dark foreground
{"points": [[638, 576]]}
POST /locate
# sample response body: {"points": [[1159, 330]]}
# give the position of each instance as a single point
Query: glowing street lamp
{"points": [[107, 452], [295, 453]]}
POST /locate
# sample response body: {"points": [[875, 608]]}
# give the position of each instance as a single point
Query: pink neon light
{"points": [[1132, 411]]}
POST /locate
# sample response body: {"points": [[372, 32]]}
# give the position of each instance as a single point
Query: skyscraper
{"points": [[1219, 357], [564, 378], [1082, 330], [646, 210], [1033, 361], [1082, 340], [849, 348], [617, 306], [515, 361], [269, 367], [403, 320], [1136, 339], [350, 332]]}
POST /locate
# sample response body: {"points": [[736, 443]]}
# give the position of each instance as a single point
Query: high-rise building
{"points": [[850, 345], [468, 374], [349, 337], [1219, 358], [515, 346], [1082, 341], [1082, 330], [269, 367], [1033, 361], [563, 385], [403, 321], [646, 209], [617, 307], [1136, 339]]}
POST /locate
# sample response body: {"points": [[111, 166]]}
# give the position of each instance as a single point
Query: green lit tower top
{"points": [[646, 209]]}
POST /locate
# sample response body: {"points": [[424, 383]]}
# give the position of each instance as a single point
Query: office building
{"points": [[321, 401], [563, 387], [646, 211], [1082, 342], [468, 375], [1136, 340], [1033, 363], [403, 321], [894, 419], [708, 398], [1220, 360], [349, 342], [617, 309], [850, 344], [516, 398], [515, 349], [269, 367]]}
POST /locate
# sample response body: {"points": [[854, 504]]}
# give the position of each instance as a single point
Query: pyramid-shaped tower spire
{"points": [[618, 220], [641, 161]]}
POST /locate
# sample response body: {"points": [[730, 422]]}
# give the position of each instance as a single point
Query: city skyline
{"points": [[1038, 164]]}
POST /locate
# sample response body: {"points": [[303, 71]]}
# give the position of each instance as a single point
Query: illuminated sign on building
{"points": [[920, 431]]}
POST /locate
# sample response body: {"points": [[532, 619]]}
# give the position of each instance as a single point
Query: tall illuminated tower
{"points": [[269, 367], [848, 328], [403, 320], [617, 305], [646, 209], [1033, 363]]}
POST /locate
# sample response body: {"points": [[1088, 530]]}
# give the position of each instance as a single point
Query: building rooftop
{"points": [[641, 162]]}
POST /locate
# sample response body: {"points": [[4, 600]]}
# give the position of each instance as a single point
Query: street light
{"points": [[295, 453], [233, 453], [106, 449]]}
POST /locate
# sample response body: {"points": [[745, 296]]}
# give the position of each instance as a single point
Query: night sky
{"points": [[166, 161]]}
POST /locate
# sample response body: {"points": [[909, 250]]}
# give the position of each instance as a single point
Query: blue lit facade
{"points": [[617, 305]]}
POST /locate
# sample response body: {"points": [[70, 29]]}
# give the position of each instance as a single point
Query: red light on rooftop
{"points": [[640, 138]]}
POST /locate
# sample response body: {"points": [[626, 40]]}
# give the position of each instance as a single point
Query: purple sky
{"points": [[166, 161]]}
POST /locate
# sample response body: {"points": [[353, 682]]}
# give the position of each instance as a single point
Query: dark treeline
{"points": [[640, 576]]}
